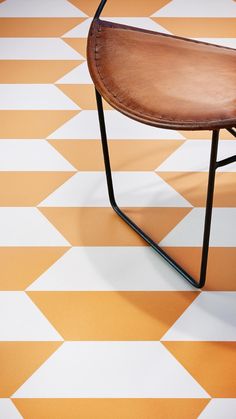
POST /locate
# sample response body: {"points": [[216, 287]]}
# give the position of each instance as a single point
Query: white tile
{"points": [[194, 156], [134, 189], [21, 320], [189, 232], [26, 226], [36, 49], [36, 8], [34, 97], [199, 8], [111, 370], [85, 126], [110, 269], [79, 31], [31, 155], [8, 410], [225, 42], [220, 408], [79, 75], [211, 317]]}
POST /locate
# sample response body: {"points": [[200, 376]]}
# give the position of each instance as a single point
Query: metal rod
{"points": [[134, 226], [209, 202], [232, 131], [224, 162], [100, 9], [105, 149]]}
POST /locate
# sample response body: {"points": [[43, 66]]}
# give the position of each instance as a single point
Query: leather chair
{"points": [[168, 82]]}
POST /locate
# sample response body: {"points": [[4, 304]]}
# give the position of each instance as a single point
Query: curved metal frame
{"points": [[214, 164], [100, 9]]}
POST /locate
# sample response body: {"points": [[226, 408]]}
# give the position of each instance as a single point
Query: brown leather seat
{"points": [[163, 80]]}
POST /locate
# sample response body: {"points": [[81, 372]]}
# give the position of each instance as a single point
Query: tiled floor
{"points": [[94, 325]]}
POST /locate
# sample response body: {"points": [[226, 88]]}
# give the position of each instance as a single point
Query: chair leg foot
{"points": [[210, 193]]}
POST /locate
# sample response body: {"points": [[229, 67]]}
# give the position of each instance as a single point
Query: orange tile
{"points": [[112, 315], [110, 408], [121, 7], [78, 44], [35, 71], [157, 222], [103, 227], [82, 94], [37, 27], [193, 187], [29, 264], [29, 188], [212, 364], [126, 155], [195, 27], [32, 124], [205, 135], [19, 360], [221, 265]]}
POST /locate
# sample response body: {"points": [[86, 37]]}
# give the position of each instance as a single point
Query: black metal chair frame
{"points": [[214, 165]]}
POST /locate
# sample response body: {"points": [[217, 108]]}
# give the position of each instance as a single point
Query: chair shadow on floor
{"points": [[158, 221]]}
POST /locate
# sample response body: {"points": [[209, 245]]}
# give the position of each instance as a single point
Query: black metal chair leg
{"points": [[209, 202], [210, 194]]}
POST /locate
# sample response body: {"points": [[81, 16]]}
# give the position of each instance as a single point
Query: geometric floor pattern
{"points": [[93, 323]]}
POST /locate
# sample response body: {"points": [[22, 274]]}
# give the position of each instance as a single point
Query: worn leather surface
{"points": [[163, 80]]}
